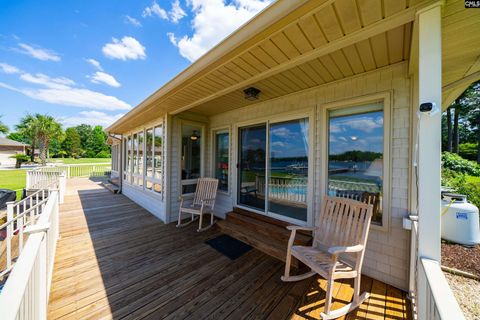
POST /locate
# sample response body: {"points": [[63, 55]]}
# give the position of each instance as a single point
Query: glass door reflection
{"points": [[288, 169], [252, 166]]}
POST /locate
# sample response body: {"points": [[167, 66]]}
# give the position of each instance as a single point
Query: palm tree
{"points": [[26, 127], [47, 128], [3, 127]]}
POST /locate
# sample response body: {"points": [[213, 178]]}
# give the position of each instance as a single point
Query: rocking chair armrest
{"points": [[185, 197], [295, 228], [337, 250]]}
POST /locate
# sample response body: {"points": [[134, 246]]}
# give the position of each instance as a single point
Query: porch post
{"points": [[429, 89], [429, 142]]}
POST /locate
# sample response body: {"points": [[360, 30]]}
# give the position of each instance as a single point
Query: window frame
{"points": [[152, 179], [385, 98], [213, 143], [307, 112], [129, 173], [203, 130]]}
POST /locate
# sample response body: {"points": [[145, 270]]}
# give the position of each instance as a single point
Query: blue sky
{"points": [[91, 61], [363, 132]]}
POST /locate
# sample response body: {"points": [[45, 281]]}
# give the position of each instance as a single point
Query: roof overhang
{"points": [[278, 49]]}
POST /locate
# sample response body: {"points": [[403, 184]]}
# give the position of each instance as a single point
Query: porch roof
{"points": [[296, 45]]}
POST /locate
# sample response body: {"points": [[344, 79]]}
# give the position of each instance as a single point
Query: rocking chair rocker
{"points": [[339, 240], [203, 202]]}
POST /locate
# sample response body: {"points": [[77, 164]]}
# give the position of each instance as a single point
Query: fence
{"points": [[292, 189], [70, 170], [26, 291], [431, 295]]}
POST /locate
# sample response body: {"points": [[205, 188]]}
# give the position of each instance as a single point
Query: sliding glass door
{"points": [[277, 153], [252, 165], [288, 169]]}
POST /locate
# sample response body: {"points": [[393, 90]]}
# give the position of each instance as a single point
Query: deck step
{"points": [[263, 233], [112, 187]]}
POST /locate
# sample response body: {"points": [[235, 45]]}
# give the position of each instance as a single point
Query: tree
{"points": [[26, 128], [84, 131], [3, 127], [47, 128], [97, 142], [449, 129], [72, 144]]}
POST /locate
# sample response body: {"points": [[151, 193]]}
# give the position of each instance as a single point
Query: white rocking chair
{"points": [[203, 202], [339, 240]]}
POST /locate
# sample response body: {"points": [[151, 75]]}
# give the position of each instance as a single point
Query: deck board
{"points": [[117, 261]]}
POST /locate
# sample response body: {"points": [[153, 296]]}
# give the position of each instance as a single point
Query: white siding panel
{"points": [[152, 202]]}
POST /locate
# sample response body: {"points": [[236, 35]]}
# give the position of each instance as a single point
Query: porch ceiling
{"points": [[319, 41], [461, 30]]}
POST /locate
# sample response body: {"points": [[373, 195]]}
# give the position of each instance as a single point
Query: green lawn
{"points": [[13, 179], [81, 160]]}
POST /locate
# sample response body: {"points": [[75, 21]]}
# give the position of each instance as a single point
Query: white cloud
{"points": [[127, 48], [42, 79], [213, 21], [95, 63], [38, 53], [102, 77], [155, 9], [63, 91], [175, 14], [91, 118], [132, 21], [7, 68], [365, 124]]}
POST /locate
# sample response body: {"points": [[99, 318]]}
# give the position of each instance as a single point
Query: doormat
{"points": [[228, 246]]}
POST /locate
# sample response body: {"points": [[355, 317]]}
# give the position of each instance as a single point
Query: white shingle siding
{"points": [[387, 253]]}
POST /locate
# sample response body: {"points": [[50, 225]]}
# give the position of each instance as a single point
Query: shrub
{"points": [[463, 184], [456, 163], [21, 158], [103, 154], [468, 151]]}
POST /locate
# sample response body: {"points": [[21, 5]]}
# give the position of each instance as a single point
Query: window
{"points": [[356, 155], [157, 149], [221, 160], [273, 169], [128, 161], [153, 147], [191, 157], [140, 159], [144, 162]]}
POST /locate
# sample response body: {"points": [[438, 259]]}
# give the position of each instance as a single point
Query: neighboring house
{"points": [[9, 148], [312, 98]]}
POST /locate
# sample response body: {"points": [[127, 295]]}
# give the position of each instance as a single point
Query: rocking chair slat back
{"points": [[206, 192], [342, 222]]}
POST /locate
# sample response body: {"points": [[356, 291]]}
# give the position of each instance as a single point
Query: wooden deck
{"points": [[115, 260]]}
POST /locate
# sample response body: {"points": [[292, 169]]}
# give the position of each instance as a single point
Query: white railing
{"points": [[26, 291], [431, 296], [89, 170], [292, 189], [71, 170], [38, 179]]}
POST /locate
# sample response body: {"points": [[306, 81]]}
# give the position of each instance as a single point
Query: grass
{"points": [[14, 180], [81, 160], [472, 179]]}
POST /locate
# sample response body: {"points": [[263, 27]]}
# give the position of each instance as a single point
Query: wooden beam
{"points": [[376, 28], [471, 78]]}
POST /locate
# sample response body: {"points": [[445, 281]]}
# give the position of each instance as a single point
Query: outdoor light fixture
{"points": [[251, 93], [194, 135]]}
